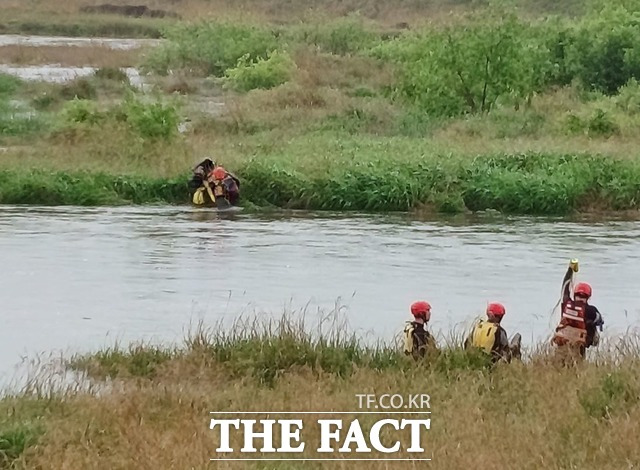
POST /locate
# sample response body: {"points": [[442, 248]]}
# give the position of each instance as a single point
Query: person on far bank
{"points": [[489, 336], [230, 182], [579, 320], [417, 339], [203, 175], [200, 172]]}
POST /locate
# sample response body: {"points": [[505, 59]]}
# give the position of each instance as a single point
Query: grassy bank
{"points": [[345, 112], [536, 414], [517, 184], [88, 189]]}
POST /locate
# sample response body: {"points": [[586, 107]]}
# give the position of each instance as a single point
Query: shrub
{"points": [[111, 73], [8, 85], [210, 48], [81, 111], [628, 98], [80, 88], [601, 124], [343, 36], [266, 73], [604, 52], [468, 69], [150, 119]]}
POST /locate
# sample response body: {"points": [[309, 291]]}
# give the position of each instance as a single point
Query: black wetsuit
{"points": [[200, 172]]}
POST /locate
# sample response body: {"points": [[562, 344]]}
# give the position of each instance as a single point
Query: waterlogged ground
{"points": [[75, 279], [111, 43], [59, 73]]}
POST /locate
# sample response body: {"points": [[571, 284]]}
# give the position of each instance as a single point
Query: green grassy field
{"points": [[524, 109]]}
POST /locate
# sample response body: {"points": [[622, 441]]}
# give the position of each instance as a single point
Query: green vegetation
{"points": [[210, 48], [267, 73], [519, 184], [525, 184], [491, 109], [13, 442], [141, 391], [87, 189]]}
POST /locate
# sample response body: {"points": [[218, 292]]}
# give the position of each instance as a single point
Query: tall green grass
{"points": [[516, 184], [266, 348], [88, 189]]}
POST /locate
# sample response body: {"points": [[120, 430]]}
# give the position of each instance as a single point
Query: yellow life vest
{"points": [[408, 338], [198, 197], [483, 336]]}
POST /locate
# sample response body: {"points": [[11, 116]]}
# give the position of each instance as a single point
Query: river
{"points": [[75, 279]]}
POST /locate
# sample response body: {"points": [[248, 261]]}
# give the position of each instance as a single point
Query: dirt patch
{"points": [[135, 11], [73, 56]]}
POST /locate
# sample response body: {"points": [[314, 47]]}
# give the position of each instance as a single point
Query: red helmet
{"points": [[219, 173], [496, 309], [421, 308], [582, 289]]}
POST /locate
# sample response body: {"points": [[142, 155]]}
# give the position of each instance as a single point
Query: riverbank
{"points": [[336, 112], [536, 184], [149, 404]]}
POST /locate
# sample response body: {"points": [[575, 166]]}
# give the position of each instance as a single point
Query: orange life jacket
{"points": [[573, 327], [573, 314]]}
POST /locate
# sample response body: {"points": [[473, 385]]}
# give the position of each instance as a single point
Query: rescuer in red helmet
{"points": [[488, 336], [579, 320], [417, 339]]}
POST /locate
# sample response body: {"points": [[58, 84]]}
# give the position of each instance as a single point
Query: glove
{"points": [[573, 264], [599, 321]]}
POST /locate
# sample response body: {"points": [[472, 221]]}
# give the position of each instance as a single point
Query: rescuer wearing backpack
{"points": [[488, 336], [417, 339]]}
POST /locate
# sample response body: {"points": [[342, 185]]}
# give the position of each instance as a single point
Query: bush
{"points": [[151, 119], [628, 98], [111, 73], [275, 70], [80, 111], [598, 125], [80, 88], [8, 85], [343, 36], [210, 48], [468, 69], [601, 124], [604, 52]]}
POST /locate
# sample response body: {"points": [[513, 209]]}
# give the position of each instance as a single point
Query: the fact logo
{"points": [[327, 435]]}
